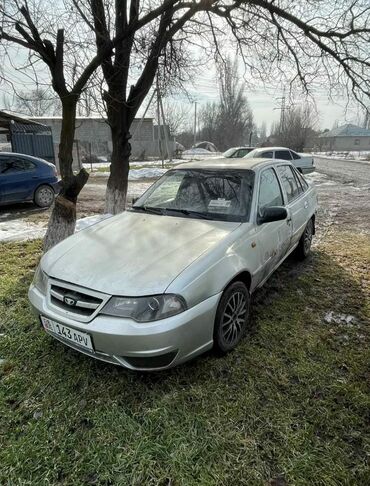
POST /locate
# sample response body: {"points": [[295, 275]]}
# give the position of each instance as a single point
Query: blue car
{"points": [[25, 178]]}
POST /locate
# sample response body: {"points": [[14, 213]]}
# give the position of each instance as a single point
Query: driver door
{"points": [[274, 237]]}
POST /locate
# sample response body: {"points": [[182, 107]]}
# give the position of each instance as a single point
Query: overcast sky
{"points": [[264, 100]]}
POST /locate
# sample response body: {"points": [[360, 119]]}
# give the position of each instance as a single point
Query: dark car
{"points": [[25, 178]]}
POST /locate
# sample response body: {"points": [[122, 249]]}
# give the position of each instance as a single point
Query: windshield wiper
{"points": [[189, 212], [149, 209]]}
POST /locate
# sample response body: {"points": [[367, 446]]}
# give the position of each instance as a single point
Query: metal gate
{"points": [[35, 139]]}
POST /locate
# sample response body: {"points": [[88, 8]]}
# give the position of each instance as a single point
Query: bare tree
{"points": [[229, 122], [37, 102], [177, 116], [277, 39], [299, 125], [235, 118]]}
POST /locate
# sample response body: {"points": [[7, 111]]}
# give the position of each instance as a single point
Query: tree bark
{"points": [[116, 192], [62, 221]]}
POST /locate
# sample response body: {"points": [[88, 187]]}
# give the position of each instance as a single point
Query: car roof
{"points": [[25, 156], [237, 163], [272, 148], [241, 147]]}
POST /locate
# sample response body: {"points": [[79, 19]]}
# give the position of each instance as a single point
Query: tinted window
{"points": [[294, 155], [10, 166], [283, 155], [217, 194], [28, 165], [270, 192], [289, 181], [267, 155]]}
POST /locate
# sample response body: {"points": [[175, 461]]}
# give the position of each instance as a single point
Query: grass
{"points": [[289, 406]]}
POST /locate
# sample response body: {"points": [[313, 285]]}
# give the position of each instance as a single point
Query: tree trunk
{"points": [[62, 221], [116, 192]]}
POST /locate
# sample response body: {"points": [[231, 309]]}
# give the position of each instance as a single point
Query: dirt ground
{"points": [[343, 190]]}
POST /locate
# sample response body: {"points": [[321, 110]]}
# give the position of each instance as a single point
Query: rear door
{"points": [[18, 179], [274, 239], [295, 202]]}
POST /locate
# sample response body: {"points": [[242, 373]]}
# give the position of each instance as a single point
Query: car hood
{"points": [[133, 254]]}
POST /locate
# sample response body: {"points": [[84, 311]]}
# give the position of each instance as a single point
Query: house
{"points": [[346, 138]]}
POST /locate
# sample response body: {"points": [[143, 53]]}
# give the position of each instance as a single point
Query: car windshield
{"points": [[229, 152], [217, 194], [253, 154]]}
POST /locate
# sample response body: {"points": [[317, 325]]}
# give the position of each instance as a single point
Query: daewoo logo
{"points": [[69, 301]]}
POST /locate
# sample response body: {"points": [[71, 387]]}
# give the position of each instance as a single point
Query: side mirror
{"points": [[273, 213], [134, 200]]}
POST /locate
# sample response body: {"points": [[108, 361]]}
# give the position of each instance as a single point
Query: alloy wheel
{"points": [[233, 318]]}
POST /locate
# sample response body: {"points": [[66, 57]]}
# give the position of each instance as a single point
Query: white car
{"points": [[171, 278], [303, 162]]}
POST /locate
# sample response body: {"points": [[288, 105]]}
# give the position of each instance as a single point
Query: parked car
{"points": [[303, 162], [201, 240], [237, 152], [26, 178]]}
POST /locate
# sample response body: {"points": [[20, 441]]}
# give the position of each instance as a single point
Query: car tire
{"points": [[44, 196], [304, 245], [232, 318]]}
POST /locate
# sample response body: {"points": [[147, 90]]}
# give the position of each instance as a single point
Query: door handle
{"points": [[289, 220], [305, 204]]}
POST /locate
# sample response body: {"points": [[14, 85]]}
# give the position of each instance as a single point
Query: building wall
{"points": [[94, 134], [344, 144]]}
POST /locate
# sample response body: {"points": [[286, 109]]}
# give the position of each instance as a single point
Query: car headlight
{"points": [[40, 280], [145, 309]]}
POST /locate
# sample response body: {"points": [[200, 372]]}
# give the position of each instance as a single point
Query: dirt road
{"points": [[344, 194]]}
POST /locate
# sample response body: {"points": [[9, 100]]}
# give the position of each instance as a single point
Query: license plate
{"points": [[76, 337]]}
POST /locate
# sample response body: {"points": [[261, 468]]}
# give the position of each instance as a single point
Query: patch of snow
{"points": [[21, 230], [350, 156], [146, 173], [331, 317]]}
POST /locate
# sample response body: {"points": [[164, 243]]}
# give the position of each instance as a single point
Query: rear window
{"points": [[289, 181]]}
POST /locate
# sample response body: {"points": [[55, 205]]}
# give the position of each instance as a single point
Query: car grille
{"points": [[73, 301]]}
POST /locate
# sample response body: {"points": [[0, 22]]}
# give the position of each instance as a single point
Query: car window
{"points": [[302, 180], [270, 191], [242, 152], [216, 194], [267, 155], [229, 153], [295, 155], [28, 165], [11, 166], [289, 181], [283, 154]]}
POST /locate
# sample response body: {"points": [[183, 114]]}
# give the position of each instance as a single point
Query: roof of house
{"points": [[348, 130]]}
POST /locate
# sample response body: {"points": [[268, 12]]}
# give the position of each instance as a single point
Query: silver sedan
{"points": [[172, 277]]}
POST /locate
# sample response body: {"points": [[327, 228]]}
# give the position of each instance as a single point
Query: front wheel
{"points": [[304, 245], [44, 196], [231, 318]]}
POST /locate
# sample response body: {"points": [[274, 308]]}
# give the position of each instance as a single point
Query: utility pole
{"points": [[283, 107], [195, 122], [159, 125], [282, 112]]}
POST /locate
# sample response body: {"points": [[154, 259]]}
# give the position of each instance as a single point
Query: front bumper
{"points": [[140, 346]]}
